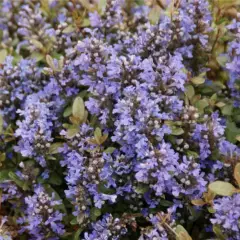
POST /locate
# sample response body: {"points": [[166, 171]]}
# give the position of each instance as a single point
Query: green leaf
{"points": [[189, 91], [54, 147], [211, 210], [55, 179], [102, 5], [192, 154], [67, 126], [67, 236], [182, 234], [35, 172], [214, 97], [232, 131], [74, 221], [177, 131], [3, 55], [2, 157], [220, 104], [29, 163], [238, 138], [61, 63], [86, 22], [86, 4], [198, 202], [222, 188], [95, 213], [194, 213], [140, 2], [49, 157], [227, 110], [1, 124], [50, 62], [217, 230], [45, 7], [154, 14], [38, 56], [201, 104], [103, 138], [77, 234], [226, 3], [105, 190], [71, 132], [237, 173], [68, 29], [4, 175], [98, 135], [78, 109], [165, 203], [110, 150], [22, 184], [37, 44], [222, 60], [198, 80], [85, 116], [141, 189]]}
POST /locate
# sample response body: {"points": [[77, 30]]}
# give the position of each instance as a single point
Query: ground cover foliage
{"points": [[119, 119]]}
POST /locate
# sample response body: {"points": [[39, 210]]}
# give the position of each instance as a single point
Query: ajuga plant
{"points": [[119, 119]]}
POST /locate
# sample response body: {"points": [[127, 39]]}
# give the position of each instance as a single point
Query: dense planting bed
{"points": [[119, 119]]}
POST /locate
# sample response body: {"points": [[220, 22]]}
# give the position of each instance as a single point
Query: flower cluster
{"points": [[233, 64], [108, 227], [227, 215], [17, 82], [41, 216], [119, 119]]}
